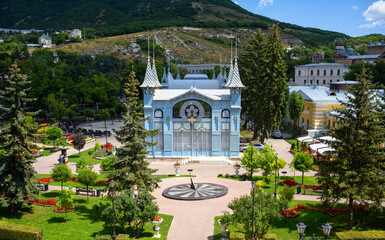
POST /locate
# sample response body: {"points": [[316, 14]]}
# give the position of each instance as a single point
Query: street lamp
{"points": [[112, 185], [253, 184], [275, 178], [301, 231]]}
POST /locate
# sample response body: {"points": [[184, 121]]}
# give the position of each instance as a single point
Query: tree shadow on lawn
{"points": [[4, 212], [61, 219]]}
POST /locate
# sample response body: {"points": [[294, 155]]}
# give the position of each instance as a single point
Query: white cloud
{"points": [[264, 3], [375, 15], [354, 7]]}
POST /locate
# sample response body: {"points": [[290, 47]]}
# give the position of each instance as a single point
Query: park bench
{"points": [[84, 190]]}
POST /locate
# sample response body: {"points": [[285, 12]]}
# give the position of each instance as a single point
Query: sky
{"points": [[352, 17]]}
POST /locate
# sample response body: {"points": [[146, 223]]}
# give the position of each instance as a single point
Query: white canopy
{"points": [[326, 149], [328, 139], [315, 147], [305, 139]]}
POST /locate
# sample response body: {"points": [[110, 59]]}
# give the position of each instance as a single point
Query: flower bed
{"points": [[45, 180], [73, 180], [71, 139], [157, 218], [101, 182], [108, 147], [292, 183], [289, 182], [331, 211], [60, 210], [289, 213], [45, 203]]}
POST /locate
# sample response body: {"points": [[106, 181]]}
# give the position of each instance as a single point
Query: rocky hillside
{"points": [[117, 17], [183, 44]]}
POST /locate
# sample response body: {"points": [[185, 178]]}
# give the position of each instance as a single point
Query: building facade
{"points": [[45, 41], [321, 74], [196, 115], [376, 52], [74, 33]]}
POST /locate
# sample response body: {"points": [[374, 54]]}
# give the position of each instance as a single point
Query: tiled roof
{"points": [[235, 81], [149, 77]]}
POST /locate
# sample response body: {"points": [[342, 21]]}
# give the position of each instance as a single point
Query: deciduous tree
{"points": [[79, 141], [88, 178], [54, 133], [302, 162], [61, 173]]}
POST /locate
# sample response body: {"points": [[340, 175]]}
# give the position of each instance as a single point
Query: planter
{"points": [[177, 171], [156, 228], [91, 167], [224, 226], [237, 167]]}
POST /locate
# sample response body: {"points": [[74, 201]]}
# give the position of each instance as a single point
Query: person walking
{"points": [[60, 159]]}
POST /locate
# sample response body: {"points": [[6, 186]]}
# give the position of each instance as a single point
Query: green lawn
{"points": [[46, 152], [60, 142], [100, 177], [83, 224], [246, 133], [314, 220], [84, 155]]}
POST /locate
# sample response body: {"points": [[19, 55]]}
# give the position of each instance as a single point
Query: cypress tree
{"points": [[250, 72], [16, 170], [356, 170], [132, 171], [266, 92], [295, 105]]}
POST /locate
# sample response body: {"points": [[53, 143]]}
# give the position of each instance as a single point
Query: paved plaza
{"points": [[192, 219]]}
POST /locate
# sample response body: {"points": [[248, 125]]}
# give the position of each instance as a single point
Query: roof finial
{"points": [[153, 47], [236, 48], [148, 46], [231, 51]]}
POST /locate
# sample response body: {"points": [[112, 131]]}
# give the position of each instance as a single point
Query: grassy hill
{"points": [[117, 17]]}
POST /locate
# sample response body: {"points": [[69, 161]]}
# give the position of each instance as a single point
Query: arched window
{"points": [[225, 113], [324, 82], [338, 72], [158, 113], [299, 72], [311, 73], [324, 72], [317, 72], [331, 72]]}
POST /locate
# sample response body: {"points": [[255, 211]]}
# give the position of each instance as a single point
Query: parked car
{"points": [[277, 134], [258, 146]]}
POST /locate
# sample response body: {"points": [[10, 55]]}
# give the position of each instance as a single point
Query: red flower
{"points": [[108, 147], [289, 182], [157, 218], [45, 180], [289, 213], [73, 180], [102, 182]]}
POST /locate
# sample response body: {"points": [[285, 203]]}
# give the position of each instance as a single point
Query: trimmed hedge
{"points": [[122, 237], [237, 236], [270, 236], [361, 235], [19, 232], [103, 237]]}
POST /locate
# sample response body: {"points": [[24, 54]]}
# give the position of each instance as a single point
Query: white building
{"points": [[319, 73], [74, 33], [45, 41]]}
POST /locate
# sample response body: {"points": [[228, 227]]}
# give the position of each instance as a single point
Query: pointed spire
{"points": [[178, 75], [234, 80], [230, 73], [163, 80], [154, 72], [224, 73], [148, 78]]}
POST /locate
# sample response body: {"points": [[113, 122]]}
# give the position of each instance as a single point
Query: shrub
{"points": [[103, 237], [237, 236], [220, 175], [97, 146], [227, 175], [108, 163], [270, 236], [122, 237], [289, 182], [361, 235], [19, 232]]}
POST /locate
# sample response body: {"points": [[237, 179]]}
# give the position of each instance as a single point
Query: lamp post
{"points": [[112, 185], [252, 219], [301, 231], [275, 178]]}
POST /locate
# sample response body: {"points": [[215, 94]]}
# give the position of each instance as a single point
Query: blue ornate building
{"points": [[196, 116]]}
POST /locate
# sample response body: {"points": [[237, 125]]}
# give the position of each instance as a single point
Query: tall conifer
{"points": [[132, 171], [266, 92], [16, 170], [356, 170]]}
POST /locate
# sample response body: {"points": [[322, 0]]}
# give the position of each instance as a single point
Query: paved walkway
{"points": [[193, 220]]}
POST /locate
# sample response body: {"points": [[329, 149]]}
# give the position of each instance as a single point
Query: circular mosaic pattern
{"points": [[195, 191]]}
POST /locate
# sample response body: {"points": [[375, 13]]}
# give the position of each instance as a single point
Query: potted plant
{"points": [[237, 167], [90, 166], [156, 221], [224, 221], [177, 167]]}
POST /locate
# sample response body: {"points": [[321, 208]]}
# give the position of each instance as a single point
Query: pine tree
{"points": [[16, 170], [266, 92], [250, 72], [356, 170], [132, 171]]}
